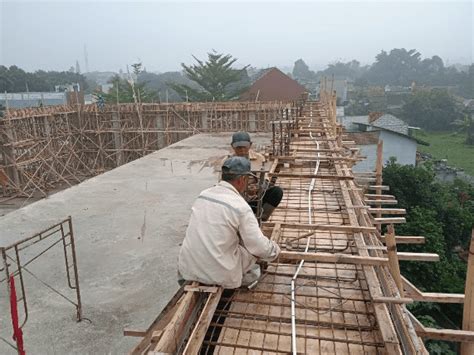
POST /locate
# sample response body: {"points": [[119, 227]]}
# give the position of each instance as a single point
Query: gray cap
{"points": [[241, 139], [236, 166]]}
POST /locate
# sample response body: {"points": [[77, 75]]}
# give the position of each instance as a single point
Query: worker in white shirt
{"points": [[242, 146], [223, 240]]}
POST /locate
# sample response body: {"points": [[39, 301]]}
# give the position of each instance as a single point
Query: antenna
{"points": [[86, 59]]}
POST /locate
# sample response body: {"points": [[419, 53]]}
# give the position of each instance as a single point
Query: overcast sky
{"points": [[52, 35]]}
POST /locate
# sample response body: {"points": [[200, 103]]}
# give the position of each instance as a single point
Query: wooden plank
{"points": [[393, 259], [379, 187], [468, 312], [441, 297], [172, 333], [310, 176], [413, 292], [197, 336], [406, 256], [380, 197], [276, 233], [274, 166], [326, 227], [312, 150], [159, 323], [383, 211], [332, 258], [314, 158], [394, 300], [387, 329], [389, 220], [381, 202], [201, 288], [405, 239], [464, 336]]}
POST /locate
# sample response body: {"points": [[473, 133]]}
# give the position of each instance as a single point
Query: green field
{"points": [[450, 146]]}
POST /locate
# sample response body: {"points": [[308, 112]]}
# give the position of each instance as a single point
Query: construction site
{"points": [[92, 267]]}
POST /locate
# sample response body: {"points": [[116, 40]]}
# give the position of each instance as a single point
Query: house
{"points": [[32, 99], [274, 85], [397, 145], [367, 130]]}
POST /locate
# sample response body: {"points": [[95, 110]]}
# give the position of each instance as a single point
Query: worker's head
{"points": [[241, 144], [236, 171]]}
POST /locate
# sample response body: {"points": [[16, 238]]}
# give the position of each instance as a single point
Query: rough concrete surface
{"points": [[128, 225]]}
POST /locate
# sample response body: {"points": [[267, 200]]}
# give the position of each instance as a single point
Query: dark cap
{"points": [[241, 139], [236, 166]]}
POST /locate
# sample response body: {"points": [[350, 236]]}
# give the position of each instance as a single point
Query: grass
{"points": [[450, 146]]}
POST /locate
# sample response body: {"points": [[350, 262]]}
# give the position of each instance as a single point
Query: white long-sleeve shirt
{"points": [[223, 239]]}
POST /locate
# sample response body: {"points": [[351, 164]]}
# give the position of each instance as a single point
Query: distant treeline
{"points": [[14, 79], [399, 67]]}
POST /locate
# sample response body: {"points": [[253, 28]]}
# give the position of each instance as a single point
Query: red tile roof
{"points": [[274, 85]]}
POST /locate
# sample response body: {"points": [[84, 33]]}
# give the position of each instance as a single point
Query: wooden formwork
{"points": [[43, 147], [335, 287]]}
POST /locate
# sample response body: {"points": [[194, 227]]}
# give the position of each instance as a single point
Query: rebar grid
{"points": [[334, 310]]}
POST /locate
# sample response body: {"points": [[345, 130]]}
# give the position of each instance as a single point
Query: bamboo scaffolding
{"points": [[41, 148]]}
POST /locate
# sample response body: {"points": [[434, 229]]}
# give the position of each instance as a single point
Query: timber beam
{"points": [[332, 258], [310, 176], [417, 295], [389, 220], [456, 335], [324, 227], [397, 211], [402, 239], [417, 256], [381, 202]]}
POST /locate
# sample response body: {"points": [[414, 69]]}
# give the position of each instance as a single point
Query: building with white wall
{"points": [[367, 130]]}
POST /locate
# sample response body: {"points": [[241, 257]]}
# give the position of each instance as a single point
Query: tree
{"points": [[402, 67], [302, 72], [350, 70], [14, 79], [444, 214], [137, 68], [216, 78], [162, 84], [433, 110], [466, 126], [399, 67], [122, 91]]}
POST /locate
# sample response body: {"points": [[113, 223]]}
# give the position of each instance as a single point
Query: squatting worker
{"points": [[242, 144], [223, 240]]}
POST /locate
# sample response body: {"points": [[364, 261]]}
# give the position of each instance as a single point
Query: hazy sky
{"points": [[51, 35]]}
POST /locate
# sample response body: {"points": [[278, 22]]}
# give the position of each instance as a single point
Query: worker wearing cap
{"points": [[242, 144], [223, 240]]}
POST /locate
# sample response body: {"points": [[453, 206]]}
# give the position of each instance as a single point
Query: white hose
{"points": [[310, 220]]}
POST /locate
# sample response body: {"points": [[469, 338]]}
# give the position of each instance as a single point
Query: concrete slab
{"points": [[128, 224]]}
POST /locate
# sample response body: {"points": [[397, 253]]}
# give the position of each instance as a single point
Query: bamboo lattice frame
{"points": [[42, 147]]}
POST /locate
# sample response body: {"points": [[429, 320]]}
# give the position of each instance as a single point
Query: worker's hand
{"points": [[263, 264], [252, 190]]}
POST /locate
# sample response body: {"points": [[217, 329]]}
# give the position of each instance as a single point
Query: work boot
{"points": [[267, 211]]}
